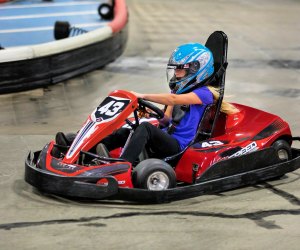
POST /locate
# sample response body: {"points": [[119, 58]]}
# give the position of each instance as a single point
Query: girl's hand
{"points": [[138, 95]]}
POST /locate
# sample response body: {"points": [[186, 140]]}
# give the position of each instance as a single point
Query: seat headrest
{"points": [[217, 42]]}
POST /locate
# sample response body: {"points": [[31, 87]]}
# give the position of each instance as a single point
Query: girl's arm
{"points": [[171, 99], [168, 112]]}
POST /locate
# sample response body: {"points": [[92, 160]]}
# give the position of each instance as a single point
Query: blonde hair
{"points": [[226, 107]]}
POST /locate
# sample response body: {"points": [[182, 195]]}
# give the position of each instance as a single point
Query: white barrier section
{"points": [[55, 47], [72, 43], [16, 54]]}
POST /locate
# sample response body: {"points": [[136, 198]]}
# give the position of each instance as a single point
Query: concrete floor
{"points": [[263, 72]]}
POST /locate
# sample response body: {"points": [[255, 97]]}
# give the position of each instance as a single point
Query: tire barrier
{"points": [[29, 67]]}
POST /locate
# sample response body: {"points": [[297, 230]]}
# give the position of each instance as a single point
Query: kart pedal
{"points": [[101, 150]]}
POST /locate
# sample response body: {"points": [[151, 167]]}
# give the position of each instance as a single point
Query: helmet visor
{"points": [[175, 74], [180, 72]]}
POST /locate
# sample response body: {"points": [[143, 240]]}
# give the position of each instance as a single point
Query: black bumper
{"points": [[84, 187], [253, 171], [77, 187]]}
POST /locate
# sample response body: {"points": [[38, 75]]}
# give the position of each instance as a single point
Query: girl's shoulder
{"points": [[204, 94]]}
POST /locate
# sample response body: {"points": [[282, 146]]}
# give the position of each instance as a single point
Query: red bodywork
{"points": [[244, 132], [89, 135], [241, 133]]}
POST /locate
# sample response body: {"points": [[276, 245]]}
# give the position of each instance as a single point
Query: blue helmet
{"points": [[188, 67]]}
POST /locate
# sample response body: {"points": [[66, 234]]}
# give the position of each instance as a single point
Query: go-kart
{"points": [[228, 151]]}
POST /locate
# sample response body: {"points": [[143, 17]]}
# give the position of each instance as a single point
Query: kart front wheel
{"points": [[283, 150], [154, 174]]}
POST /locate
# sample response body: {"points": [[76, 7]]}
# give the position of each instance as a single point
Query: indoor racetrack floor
{"points": [[263, 72]]}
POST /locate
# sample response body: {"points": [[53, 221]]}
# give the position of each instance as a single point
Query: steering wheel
{"points": [[154, 111]]}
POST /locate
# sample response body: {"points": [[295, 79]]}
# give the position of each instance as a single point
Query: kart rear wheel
{"points": [[154, 174], [283, 150]]}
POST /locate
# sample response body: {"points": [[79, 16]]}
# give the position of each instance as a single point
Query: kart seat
{"points": [[217, 42]]}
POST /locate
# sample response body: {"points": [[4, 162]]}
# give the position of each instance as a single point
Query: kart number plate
{"points": [[110, 108]]}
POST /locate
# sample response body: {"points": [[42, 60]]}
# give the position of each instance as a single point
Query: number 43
{"points": [[111, 108]]}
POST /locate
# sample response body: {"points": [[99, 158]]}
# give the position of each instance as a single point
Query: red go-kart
{"points": [[228, 151]]}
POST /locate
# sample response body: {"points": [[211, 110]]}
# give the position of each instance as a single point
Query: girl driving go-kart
{"points": [[206, 146]]}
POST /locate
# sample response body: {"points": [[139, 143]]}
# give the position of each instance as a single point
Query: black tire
{"points": [[105, 11], [283, 150], [154, 174], [61, 30]]}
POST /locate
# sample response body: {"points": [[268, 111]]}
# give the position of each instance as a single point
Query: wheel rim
{"points": [[158, 181], [104, 10], [283, 155]]}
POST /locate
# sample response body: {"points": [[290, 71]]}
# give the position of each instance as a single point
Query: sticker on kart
{"points": [[208, 144], [245, 150], [109, 109]]}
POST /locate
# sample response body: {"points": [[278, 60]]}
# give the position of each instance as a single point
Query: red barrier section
{"points": [[4, 1], [120, 16]]}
